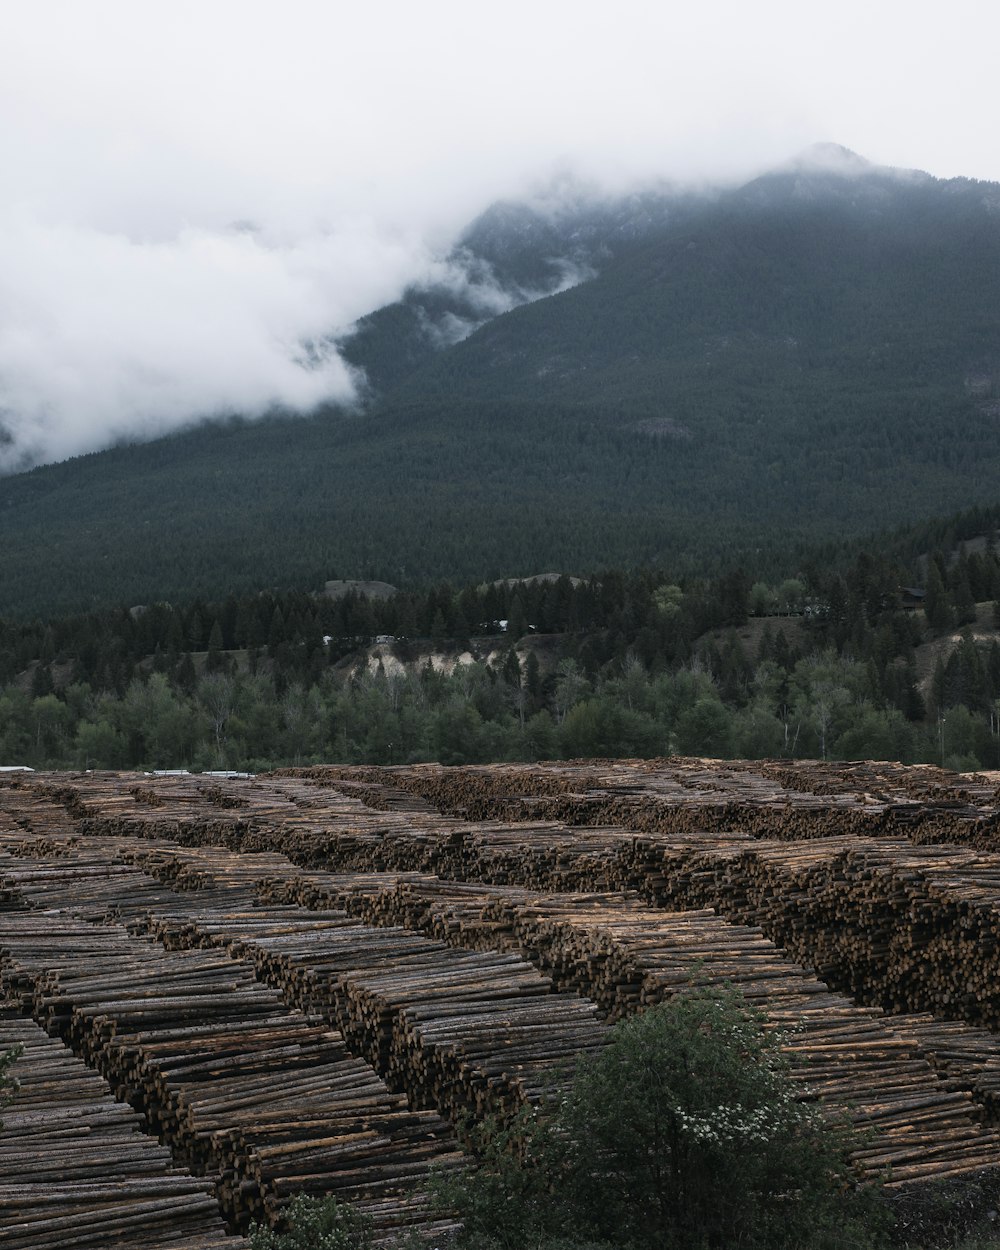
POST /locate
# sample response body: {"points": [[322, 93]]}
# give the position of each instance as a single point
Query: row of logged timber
{"points": [[625, 956], [467, 1032], [622, 953], [770, 799], [790, 800], [909, 928], [619, 934], [76, 1169], [265, 1101]]}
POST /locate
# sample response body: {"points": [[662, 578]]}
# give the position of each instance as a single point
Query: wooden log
{"points": [[876, 876], [262, 1057], [78, 1168]]}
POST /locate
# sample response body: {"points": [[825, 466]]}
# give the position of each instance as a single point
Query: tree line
{"points": [[614, 665]]}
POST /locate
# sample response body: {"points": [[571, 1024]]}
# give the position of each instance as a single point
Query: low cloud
{"points": [[104, 337], [482, 295], [354, 143]]}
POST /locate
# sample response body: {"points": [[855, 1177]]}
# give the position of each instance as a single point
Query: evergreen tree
{"points": [[215, 660], [517, 622], [937, 605]]}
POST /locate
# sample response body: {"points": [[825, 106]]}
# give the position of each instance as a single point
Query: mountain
{"points": [[511, 255], [710, 378]]}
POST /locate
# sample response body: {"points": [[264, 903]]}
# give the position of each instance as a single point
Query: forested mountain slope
{"points": [[511, 255], [812, 356]]}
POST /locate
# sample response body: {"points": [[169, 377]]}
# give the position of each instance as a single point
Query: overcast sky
{"points": [[192, 191]]}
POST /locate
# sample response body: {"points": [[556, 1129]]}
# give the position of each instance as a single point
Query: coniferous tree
{"points": [[937, 605]]}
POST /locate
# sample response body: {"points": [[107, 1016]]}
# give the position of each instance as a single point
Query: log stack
{"points": [[911, 928], [264, 1101], [465, 1032], [422, 914], [394, 994], [772, 799], [77, 1169], [627, 955]]}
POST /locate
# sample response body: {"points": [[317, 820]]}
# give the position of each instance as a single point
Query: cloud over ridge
{"points": [[354, 143], [103, 336]]}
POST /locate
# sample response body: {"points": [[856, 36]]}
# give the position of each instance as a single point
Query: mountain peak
{"points": [[831, 158]]}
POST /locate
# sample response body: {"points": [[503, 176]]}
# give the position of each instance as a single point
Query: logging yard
{"points": [[228, 991]]}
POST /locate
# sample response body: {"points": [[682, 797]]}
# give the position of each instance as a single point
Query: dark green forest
{"points": [[747, 376], [827, 662]]}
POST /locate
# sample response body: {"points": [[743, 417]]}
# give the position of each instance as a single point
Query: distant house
{"points": [[911, 597]]}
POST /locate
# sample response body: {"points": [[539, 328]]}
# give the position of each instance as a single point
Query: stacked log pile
{"points": [[468, 1033], [77, 1169], [679, 796], [603, 946], [86, 879], [772, 799], [889, 781], [786, 799], [968, 1058], [870, 875], [627, 955], [341, 830], [265, 1101], [49, 797], [909, 928]]}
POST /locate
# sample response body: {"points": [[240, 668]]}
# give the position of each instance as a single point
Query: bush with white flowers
{"points": [[685, 1133]]}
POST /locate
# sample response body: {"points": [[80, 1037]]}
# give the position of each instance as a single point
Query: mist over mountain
{"points": [[512, 254], [106, 336], [678, 377]]}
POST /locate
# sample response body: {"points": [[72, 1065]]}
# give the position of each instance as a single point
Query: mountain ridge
{"points": [[809, 356]]}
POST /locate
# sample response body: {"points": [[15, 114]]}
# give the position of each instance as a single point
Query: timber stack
{"points": [[469, 1033], [842, 1055], [883, 918], [459, 932], [78, 1169], [787, 799], [267, 1102]]}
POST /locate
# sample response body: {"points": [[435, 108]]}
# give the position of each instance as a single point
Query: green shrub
{"points": [[682, 1134], [317, 1224]]}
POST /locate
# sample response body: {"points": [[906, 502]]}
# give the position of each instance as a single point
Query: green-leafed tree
{"points": [[316, 1223], [683, 1132]]}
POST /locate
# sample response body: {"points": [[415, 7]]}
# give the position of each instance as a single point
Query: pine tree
{"points": [[937, 605], [215, 659]]}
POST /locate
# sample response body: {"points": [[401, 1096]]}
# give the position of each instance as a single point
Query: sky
{"points": [[197, 199]]}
